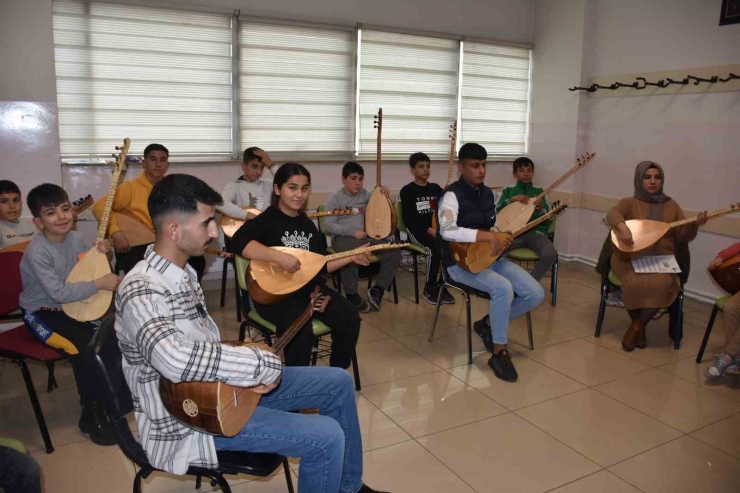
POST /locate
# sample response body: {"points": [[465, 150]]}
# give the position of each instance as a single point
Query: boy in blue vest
{"points": [[467, 212], [536, 239]]}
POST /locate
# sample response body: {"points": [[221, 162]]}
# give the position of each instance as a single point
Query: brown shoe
{"points": [[641, 341], [630, 337]]}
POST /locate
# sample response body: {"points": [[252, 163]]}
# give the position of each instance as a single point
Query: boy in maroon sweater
{"points": [[727, 362]]}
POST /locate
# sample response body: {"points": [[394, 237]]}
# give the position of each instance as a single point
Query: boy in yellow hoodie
{"points": [[131, 198]]}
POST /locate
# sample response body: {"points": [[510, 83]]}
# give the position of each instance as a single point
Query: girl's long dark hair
{"points": [[282, 176]]}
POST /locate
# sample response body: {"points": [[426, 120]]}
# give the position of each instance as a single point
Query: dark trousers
{"points": [[434, 259], [127, 261], [340, 315], [56, 329], [19, 473]]}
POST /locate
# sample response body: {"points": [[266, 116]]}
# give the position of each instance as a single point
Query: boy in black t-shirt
{"points": [[418, 205]]}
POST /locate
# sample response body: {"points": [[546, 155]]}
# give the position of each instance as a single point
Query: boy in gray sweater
{"points": [[348, 232], [48, 260]]}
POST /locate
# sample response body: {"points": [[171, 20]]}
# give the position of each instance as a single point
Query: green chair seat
{"points": [[721, 302], [523, 254], [614, 279], [14, 444], [416, 248], [319, 327]]}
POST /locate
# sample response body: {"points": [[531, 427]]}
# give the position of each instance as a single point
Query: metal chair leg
{"points": [[356, 371], [239, 299], [223, 282], [679, 322], [554, 283], [602, 307], [197, 482], [416, 277], [137, 481], [470, 324], [436, 314], [52, 381], [35, 404], [395, 292], [288, 476], [529, 331], [707, 333]]}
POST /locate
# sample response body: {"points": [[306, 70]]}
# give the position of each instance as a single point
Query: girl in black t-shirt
{"points": [[285, 224]]}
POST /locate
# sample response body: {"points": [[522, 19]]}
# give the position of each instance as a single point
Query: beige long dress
{"points": [[649, 290]]}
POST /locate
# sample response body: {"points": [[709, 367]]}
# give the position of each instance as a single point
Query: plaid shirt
{"points": [[164, 330]]}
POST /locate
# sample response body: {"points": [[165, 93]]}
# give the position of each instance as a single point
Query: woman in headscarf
{"points": [[644, 294]]}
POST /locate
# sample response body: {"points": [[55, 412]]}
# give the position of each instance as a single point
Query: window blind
{"points": [[154, 75], [296, 90], [415, 80], [495, 98]]}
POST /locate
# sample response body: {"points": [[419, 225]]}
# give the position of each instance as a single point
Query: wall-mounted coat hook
{"points": [[645, 83], [683, 82], [588, 89], [730, 77], [611, 87], [697, 80], [619, 84]]}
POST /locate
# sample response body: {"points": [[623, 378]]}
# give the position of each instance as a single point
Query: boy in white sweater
{"points": [[250, 189]]}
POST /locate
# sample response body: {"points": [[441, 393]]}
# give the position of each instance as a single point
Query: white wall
{"points": [[693, 136]]}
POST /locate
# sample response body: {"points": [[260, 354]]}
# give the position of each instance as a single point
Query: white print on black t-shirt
{"points": [[424, 204], [297, 241]]}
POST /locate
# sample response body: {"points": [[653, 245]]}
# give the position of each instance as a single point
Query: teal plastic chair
{"points": [[528, 255], [337, 278], [719, 306], [268, 329], [415, 250]]}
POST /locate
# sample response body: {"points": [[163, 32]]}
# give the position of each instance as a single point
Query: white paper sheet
{"points": [[656, 264]]}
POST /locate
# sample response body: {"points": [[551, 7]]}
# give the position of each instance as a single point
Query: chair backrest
{"points": [[96, 359], [12, 286], [320, 220], [399, 215], [240, 267]]}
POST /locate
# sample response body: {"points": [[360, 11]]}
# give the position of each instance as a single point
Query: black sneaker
{"points": [[95, 424], [502, 366], [359, 302], [375, 296], [429, 295], [447, 298], [484, 331]]}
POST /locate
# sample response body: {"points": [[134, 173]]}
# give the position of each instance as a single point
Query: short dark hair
{"points": [[418, 157], [472, 151], [249, 154], [179, 193], [523, 162], [156, 147], [7, 186], [45, 195], [352, 167]]}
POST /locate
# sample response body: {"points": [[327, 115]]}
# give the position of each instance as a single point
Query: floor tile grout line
{"points": [[698, 384], [588, 476]]}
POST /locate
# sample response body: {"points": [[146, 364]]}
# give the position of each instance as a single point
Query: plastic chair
{"points": [[18, 344], [268, 330], [364, 272], [466, 292], [528, 255], [414, 249], [675, 311], [255, 464], [719, 306]]}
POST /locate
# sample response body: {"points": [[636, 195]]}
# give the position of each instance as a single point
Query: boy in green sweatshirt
{"points": [[535, 239]]}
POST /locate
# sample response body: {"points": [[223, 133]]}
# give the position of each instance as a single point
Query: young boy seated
{"points": [[418, 206], [467, 212], [250, 189], [536, 239], [14, 229], [48, 260], [348, 232], [131, 199]]}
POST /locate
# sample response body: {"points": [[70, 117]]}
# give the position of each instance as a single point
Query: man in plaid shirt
{"points": [[165, 331]]}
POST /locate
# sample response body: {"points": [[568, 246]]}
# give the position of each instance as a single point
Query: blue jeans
{"points": [[501, 281], [329, 444]]}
